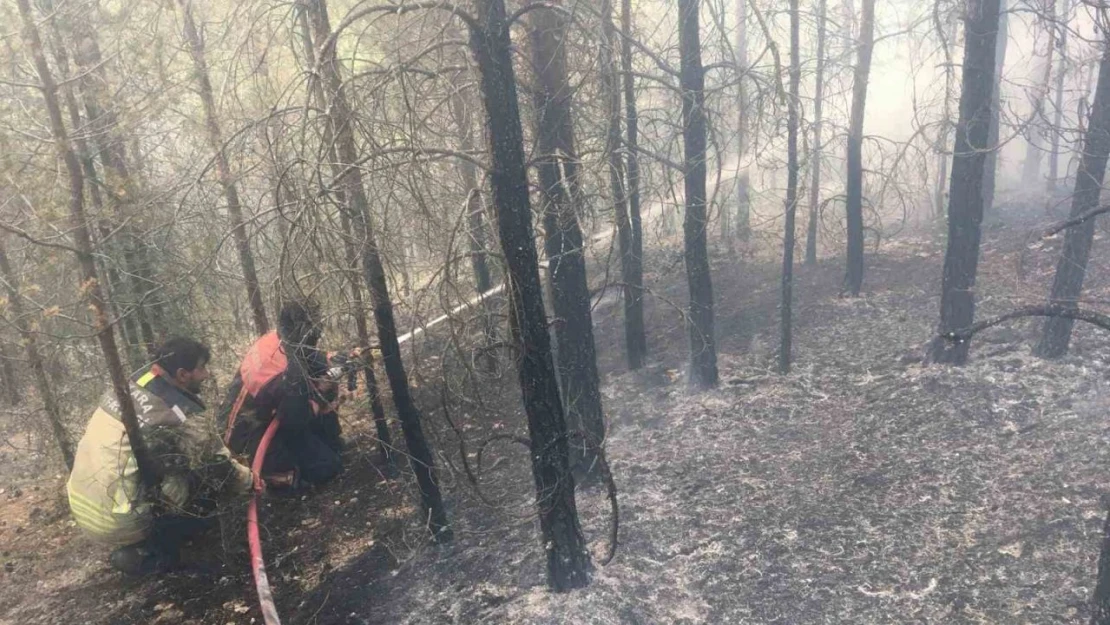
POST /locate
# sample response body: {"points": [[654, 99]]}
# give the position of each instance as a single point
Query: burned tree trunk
{"points": [[127, 325], [373, 392], [703, 348], [853, 279], [990, 168], [223, 171], [1072, 266], [342, 128], [567, 560], [815, 159], [149, 472], [1031, 168], [1100, 601], [29, 337], [626, 196], [786, 308], [474, 214], [563, 243], [965, 199]]}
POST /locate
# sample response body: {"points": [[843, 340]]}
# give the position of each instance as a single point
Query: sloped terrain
{"points": [[862, 488]]}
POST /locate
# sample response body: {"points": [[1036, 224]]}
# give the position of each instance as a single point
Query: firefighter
{"points": [[282, 377], [109, 502]]}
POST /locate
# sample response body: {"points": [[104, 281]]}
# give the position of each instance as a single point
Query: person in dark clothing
{"points": [[279, 378]]}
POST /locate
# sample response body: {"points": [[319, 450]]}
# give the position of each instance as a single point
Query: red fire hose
{"points": [[258, 565]]}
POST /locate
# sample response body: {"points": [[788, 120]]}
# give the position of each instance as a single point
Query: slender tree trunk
{"points": [[948, 32], [815, 160], [223, 171], [138, 275], [853, 280], [632, 272], [342, 120], [1100, 601], [563, 243], [373, 391], [34, 360], [9, 378], [1064, 6], [792, 168], [632, 259], [990, 173], [1072, 266], [476, 222], [460, 111], [127, 325], [149, 472], [117, 306], [567, 560], [1031, 168], [743, 201], [703, 349], [965, 201]]}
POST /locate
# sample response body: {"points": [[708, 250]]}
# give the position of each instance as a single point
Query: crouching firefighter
{"points": [[148, 526], [284, 376]]}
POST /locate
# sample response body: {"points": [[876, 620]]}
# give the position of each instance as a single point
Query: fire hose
{"points": [[258, 564]]}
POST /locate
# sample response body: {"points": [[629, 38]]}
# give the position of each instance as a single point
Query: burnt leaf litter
{"points": [[865, 487]]}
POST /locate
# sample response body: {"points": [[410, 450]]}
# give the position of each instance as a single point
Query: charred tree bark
{"points": [[43, 386], [563, 242], [149, 472], [223, 171], [373, 391], [990, 169], [815, 159], [342, 128], [567, 560], [965, 200], [792, 167], [703, 348], [1071, 269], [1100, 601], [853, 279], [626, 199]]}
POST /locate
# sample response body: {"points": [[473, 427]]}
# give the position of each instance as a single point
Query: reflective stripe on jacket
{"points": [[105, 495]]}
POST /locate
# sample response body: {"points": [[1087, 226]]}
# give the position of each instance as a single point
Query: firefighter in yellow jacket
{"points": [[106, 497]]}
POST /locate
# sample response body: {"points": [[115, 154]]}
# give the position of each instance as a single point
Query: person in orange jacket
{"points": [[280, 378]]}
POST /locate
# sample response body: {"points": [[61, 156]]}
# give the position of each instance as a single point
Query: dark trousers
{"points": [[312, 451], [168, 533]]}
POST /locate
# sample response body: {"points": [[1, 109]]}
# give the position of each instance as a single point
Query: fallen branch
{"points": [[1049, 310], [1075, 221]]}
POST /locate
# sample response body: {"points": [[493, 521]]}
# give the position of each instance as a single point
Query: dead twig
{"points": [[1047, 310]]}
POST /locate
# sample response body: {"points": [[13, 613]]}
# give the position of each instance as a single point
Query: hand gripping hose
{"points": [[258, 565]]}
